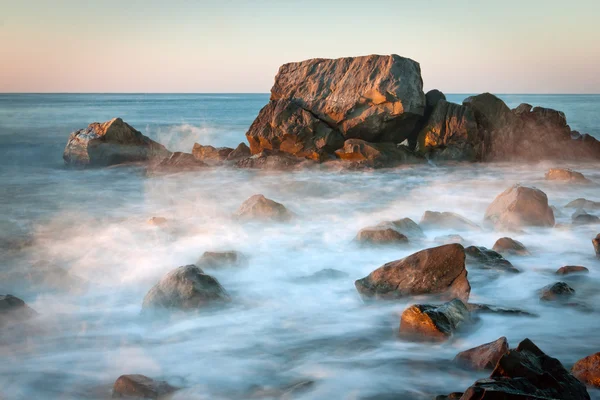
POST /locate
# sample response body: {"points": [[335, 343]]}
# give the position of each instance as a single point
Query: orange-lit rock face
{"points": [[423, 322], [482, 357], [560, 174], [587, 370]]}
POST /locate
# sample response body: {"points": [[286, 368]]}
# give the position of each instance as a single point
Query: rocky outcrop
{"points": [[13, 309], [177, 162], [210, 153], [380, 236], [185, 288], [438, 271], [483, 357], [520, 206], [484, 258], [424, 322], [240, 152], [587, 370], [571, 269], [271, 161], [566, 175], [376, 155], [596, 243], [584, 203], [222, 259], [510, 246], [446, 220], [558, 291], [140, 387], [259, 208], [405, 226], [109, 143]]}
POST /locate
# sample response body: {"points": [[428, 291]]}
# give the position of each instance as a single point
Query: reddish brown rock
{"points": [[380, 236], [405, 226], [587, 370], [438, 271], [571, 269], [520, 206], [596, 243], [424, 322], [565, 175], [558, 291], [157, 221], [507, 245], [376, 155], [258, 207], [271, 161], [447, 220], [449, 239], [240, 152], [210, 153], [140, 387], [485, 356], [177, 162]]}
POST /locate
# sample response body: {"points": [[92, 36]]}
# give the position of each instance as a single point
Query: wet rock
{"points": [[258, 207], [565, 175], [424, 322], [109, 143], [177, 162], [13, 309], [405, 226], [240, 152], [446, 220], [140, 387], [558, 291], [210, 153], [488, 259], [520, 206], [483, 357], [527, 373], [596, 243], [325, 274], [222, 259], [449, 239], [587, 370], [490, 309], [571, 269], [271, 161], [380, 236], [584, 204], [438, 271], [185, 288], [157, 221], [507, 245], [376, 155], [581, 217]]}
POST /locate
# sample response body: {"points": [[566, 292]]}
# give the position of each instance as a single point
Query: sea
{"points": [[77, 247]]}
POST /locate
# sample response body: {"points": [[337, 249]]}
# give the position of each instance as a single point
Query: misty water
{"points": [[76, 246]]}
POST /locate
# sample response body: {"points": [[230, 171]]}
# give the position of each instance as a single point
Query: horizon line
{"points": [[266, 93]]}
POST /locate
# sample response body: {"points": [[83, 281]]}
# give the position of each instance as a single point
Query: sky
{"points": [[237, 46]]}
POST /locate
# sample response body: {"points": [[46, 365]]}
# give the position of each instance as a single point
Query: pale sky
{"points": [[505, 46]]}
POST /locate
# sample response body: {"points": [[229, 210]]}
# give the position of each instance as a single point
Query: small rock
{"points": [[157, 221], [449, 239], [489, 309], [581, 217], [596, 243], [210, 153], [482, 357], [520, 206], [447, 220], [240, 152], [258, 207], [560, 174], [558, 291], [380, 236], [13, 309], [587, 370], [570, 269], [405, 226], [585, 204], [220, 259], [510, 246], [177, 162], [424, 322], [141, 387], [324, 275], [488, 259]]}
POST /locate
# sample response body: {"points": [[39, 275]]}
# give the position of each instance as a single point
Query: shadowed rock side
{"points": [[109, 143], [438, 271], [482, 357], [424, 322], [559, 291], [520, 206], [13, 309], [140, 387], [587, 370], [376, 155], [405, 226], [484, 258]]}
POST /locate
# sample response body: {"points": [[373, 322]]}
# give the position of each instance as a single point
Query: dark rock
{"points": [[520, 206], [431, 99], [325, 274], [222, 259], [581, 217], [490, 309], [376, 155], [558, 291], [424, 322], [571, 269], [587, 370], [405, 226], [141, 387], [109, 143], [380, 236], [240, 152], [449, 239], [438, 271], [210, 153], [596, 243], [451, 396], [522, 109], [482, 357], [270, 161], [568, 175], [507, 245], [13, 309], [484, 258], [446, 220], [185, 288], [177, 162], [585, 204], [258, 207]]}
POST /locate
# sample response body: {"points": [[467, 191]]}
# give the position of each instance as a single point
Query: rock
{"points": [[507, 245], [585, 204], [558, 291], [438, 271], [109, 143], [490, 309], [185, 288], [522, 109], [210, 153], [560, 174], [325, 274], [432, 98], [240, 152], [424, 322], [483, 357], [13, 309], [141, 387], [449, 239], [587, 370], [446, 220], [376, 155], [405, 226], [157, 221], [380, 236], [527, 373], [520, 206], [222, 259], [583, 218], [451, 396], [177, 162], [488, 259], [270, 161], [373, 98], [596, 243], [571, 269], [258, 207], [450, 133]]}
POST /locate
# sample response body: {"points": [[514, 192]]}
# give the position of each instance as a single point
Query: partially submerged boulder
{"points": [[587, 370], [483, 357], [507, 245], [424, 322], [596, 243], [210, 153], [449, 239], [13, 309], [258, 207], [559, 291], [446, 220], [109, 143], [222, 259], [485, 258], [185, 288], [380, 236], [326, 274], [584, 204], [580, 217], [140, 387], [405, 226], [376, 155], [571, 269], [520, 206], [565, 175], [438, 271]]}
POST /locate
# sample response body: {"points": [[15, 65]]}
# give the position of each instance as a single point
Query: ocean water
{"points": [[76, 246]]}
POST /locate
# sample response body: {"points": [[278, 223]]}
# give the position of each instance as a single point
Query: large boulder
{"points": [[140, 387], [13, 309], [185, 288], [587, 370], [447, 220], [520, 206], [438, 271], [424, 322], [482, 357], [376, 155], [259, 208], [109, 143]]}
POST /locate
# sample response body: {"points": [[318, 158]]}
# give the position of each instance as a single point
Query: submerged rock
{"points": [[258, 207], [560, 174], [488, 259], [446, 220], [380, 236], [405, 226], [483, 357], [476, 308], [520, 206], [222, 259], [424, 322], [587, 370], [210, 153], [13, 309], [507, 245], [558, 291], [438, 271], [571, 269], [109, 143], [376, 155], [583, 218], [325, 274], [140, 387], [584, 204]]}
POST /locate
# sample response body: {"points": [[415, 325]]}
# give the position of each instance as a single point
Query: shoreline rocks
{"points": [[424, 322], [210, 153], [380, 236], [510, 246]]}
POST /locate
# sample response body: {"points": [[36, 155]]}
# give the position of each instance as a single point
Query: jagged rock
{"points": [[240, 152], [446, 220], [560, 174], [210, 153], [449, 239], [405, 226], [177, 162], [270, 161], [571, 269], [258, 207], [140, 387], [522, 109], [580, 217], [157, 221], [376, 155], [424, 322], [520, 206], [109, 143], [438, 271], [507, 245], [596, 243], [587, 370], [558, 291], [13, 309], [432, 98], [185, 288], [585, 204], [380, 236], [484, 258], [482, 357], [221, 259]]}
